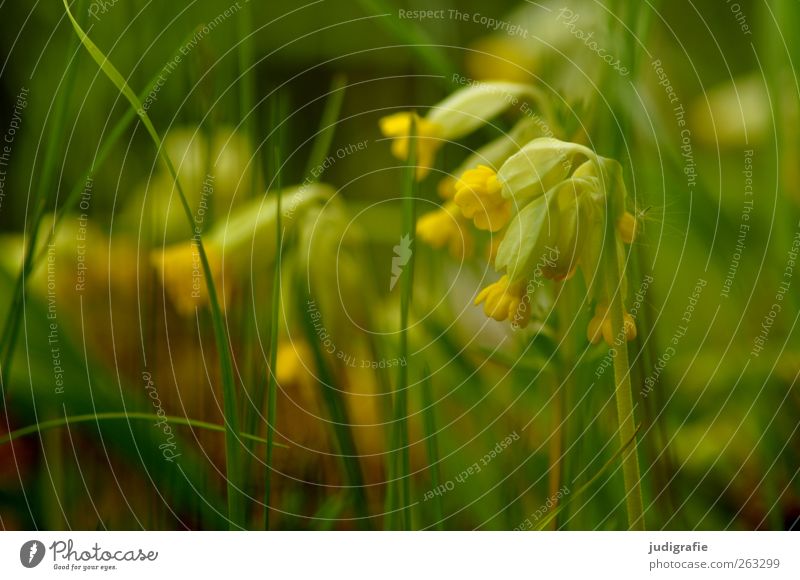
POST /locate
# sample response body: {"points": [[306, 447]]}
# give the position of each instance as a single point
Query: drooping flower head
{"points": [[561, 194]]}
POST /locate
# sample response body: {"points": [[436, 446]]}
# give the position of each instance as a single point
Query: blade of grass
{"points": [[432, 444], [246, 85], [582, 489], [272, 382], [235, 503], [402, 493], [337, 412], [31, 256], [327, 127], [11, 327], [406, 289], [120, 416], [623, 392]]}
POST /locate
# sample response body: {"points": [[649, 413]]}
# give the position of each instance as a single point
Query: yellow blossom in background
{"points": [[504, 300], [442, 228], [479, 196], [182, 274], [293, 365], [456, 116], [427, 138], [244, 240]]}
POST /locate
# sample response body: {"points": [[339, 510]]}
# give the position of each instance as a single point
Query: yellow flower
{"points": [[246, 237], [181, 271], [293, 364], [600, 326], [442, 228], [447, 187], [627, 227], [504, 300], [428, 139], [479, 195], [495, 153], [455, 117]]}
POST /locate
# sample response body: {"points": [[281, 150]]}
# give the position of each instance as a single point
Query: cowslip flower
{"points": [[489, 198], [230, 247], [494, 153], [560, 224], [444, 228], [504, 300], [479, 196], [215, 173], [456, 116]]}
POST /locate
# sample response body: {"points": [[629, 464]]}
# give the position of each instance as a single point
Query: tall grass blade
{"points": [[46, 174], [235, 503], [327, 127], [274, 321], [406, 289], [337, 412], [432, 445]]}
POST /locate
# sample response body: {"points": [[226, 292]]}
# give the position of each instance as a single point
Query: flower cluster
{"points": [[548, 201]]}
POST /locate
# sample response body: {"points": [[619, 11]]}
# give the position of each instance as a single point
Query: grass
{"points": [[274, 322], [432, 445], [235, 504], [43, 201]]}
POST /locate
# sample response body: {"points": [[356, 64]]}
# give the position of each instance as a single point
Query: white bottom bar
{"points": [[396, 555]]}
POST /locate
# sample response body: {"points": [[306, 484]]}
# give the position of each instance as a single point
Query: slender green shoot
{"points": [[337, 412], [327, 127], [43, 196], [582, 489], [406, 293], [274, 323], [623, 392], [432, 445]]}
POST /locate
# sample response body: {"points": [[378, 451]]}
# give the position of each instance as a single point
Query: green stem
{"points": [[623, 392], [407, 285], [272, 384]]}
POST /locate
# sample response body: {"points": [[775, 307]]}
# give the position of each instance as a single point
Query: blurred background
{"points": [[114, 400]]}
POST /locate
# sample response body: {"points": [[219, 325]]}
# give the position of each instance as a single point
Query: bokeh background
{"points": [[253, 97]]}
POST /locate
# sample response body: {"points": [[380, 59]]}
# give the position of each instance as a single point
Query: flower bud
{"points": [[493, 154], [504, 300], [627, 227], [538, 167]]}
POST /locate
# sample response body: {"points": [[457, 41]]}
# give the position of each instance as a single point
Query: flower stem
{"points": [[627, 427], [623, 392]]}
